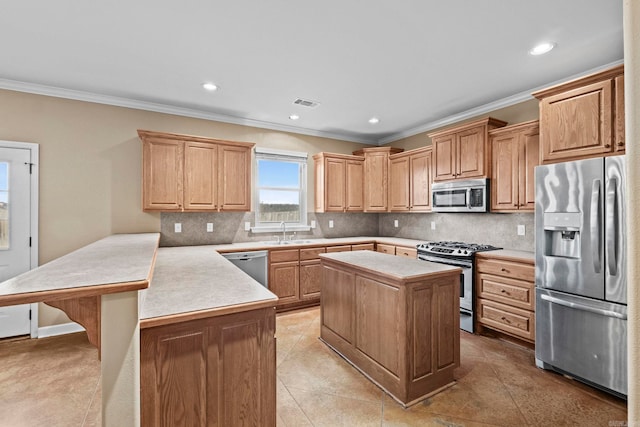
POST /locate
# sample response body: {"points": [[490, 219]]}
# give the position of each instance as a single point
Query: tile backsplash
{"points": [[228, 227]]}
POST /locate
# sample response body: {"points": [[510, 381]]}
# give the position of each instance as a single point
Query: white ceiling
{"points": [[412, 63]]}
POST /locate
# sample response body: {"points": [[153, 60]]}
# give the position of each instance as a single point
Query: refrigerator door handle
{"points": [[595, 225], [610, 222], [595, 310]]}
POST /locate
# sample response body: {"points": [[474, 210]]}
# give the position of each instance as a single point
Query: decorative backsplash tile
{"points": [[228, 227]]}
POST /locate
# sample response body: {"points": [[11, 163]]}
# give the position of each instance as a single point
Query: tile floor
{"points": [[497, 385]]}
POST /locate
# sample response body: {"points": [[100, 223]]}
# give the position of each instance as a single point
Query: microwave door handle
{"points": [[595, 225], [469, 198], [610, 223]]}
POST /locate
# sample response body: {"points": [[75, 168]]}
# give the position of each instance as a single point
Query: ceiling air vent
{"points": [[306, 103]]}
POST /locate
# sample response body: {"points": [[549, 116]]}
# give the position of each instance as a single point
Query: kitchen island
{"points": [[394, 319]]}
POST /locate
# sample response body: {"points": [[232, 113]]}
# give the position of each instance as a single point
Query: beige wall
{"points": [[518, 113], [90, 165]]}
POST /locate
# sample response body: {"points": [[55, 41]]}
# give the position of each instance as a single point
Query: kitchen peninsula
{"points": [[394, 319], [179, 329]]}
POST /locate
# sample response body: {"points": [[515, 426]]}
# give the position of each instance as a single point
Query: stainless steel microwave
{"points": [[470, 195]]}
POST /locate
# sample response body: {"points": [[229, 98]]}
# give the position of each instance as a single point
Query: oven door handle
{"points": [[460, 264]]}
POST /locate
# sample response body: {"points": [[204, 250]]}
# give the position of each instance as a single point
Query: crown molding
{"points": [[77, 95], [490, 107]]}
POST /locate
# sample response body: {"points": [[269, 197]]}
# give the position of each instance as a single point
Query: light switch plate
{"points": [[209, 227], [521, 230], [395, 223], [177, 227], [313, 223], [433, 225], [247, 226], [330, 223]]}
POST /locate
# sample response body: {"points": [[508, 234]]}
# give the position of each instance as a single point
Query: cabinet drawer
{"points": [[386, 249], [407, 252], [363, 247], [511, 320], [513, 292], [342, 248], [283, 255], [510, 269], [311, 253]]}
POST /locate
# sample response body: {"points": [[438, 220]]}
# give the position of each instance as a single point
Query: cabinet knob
{"points": [[607, 145], [620, 143]]}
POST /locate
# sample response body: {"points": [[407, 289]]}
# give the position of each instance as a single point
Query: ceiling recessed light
{"points": [[542, 48], [294, 117], [210, 86], [374, 120]]}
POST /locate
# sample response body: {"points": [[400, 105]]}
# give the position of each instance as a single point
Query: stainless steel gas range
{"points": [[461, 255]]}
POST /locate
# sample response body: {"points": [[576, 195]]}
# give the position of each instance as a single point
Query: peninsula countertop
{"points": [[118, 263], [191, 282], [395, 268]]}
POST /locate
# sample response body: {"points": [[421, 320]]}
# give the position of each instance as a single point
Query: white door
{"points": [[15, 232]]}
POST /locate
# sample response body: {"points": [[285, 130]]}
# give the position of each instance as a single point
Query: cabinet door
{"points": [[354, 191], [335, 185], [234, 179], [504, 173], [399, 184], [420, 182], [200, 176], [376, 168], [162, 174], [577, 123], [444, 157], [619, 114], [470, 159], [310, 275], [529, 158], [283, 281]]}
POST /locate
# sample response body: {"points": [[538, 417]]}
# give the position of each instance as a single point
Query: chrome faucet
{"points": [[284, 230]]}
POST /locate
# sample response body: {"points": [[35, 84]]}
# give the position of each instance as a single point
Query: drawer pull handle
{"points": [[504, 319], [503, 291], [504, 270]]}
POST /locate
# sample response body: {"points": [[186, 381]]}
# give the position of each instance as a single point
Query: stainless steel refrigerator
{"points": [[581, 283]]}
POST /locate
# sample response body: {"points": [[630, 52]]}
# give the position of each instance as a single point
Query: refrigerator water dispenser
{"points": [[562, 234]]}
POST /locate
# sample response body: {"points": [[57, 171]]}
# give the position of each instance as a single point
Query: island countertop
{"points": [[396, 268], [192, 282]]}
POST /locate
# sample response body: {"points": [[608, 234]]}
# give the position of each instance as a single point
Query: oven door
{"points": [[466, 278]]}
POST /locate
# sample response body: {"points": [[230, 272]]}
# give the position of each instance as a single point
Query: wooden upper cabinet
{"points": [[410, 180], [463, 152], [235, 178], [515, 154], [583, 118], [376, 177], [190, 173], [162, 174], [200, 176], [338, 182]]}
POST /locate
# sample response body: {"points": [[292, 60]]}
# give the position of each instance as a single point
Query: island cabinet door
{"points": [[217, 371], [337, 315], [435, 308]]}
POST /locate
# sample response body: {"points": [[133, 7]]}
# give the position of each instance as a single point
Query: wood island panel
{"points": [[394, 319]]}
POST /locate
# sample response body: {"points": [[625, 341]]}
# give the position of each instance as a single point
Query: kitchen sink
{"points": [[287, 242]]}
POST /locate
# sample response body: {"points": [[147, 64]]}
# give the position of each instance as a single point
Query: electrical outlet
{"points": [[209, 227], [395, 223], [247, 226], [313, 223], [330, 223], [177, 227], [521, 230], [433, 225]]}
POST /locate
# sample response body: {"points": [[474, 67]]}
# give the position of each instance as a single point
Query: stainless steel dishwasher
{"points": [[253, 263]]}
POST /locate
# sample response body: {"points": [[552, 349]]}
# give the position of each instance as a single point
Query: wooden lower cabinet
{"points": [[402, 334], [364, 247], [397, 250], [506, 296], [217, 371], [310, 272], [386, 249]]}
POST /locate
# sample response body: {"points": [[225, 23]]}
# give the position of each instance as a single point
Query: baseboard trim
{"points": [[65, 328]]}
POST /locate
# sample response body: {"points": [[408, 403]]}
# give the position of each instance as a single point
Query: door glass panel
{"points": [[4, 205]]}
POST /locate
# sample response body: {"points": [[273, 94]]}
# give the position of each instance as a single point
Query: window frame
{"points": [[299, 158]]}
